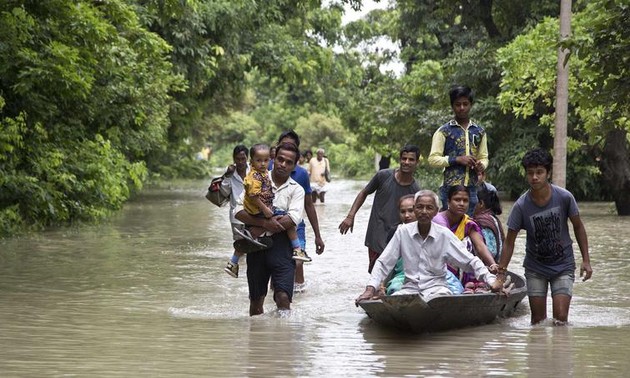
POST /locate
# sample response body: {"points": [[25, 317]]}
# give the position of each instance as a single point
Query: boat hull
{"points": [[412, 313]]}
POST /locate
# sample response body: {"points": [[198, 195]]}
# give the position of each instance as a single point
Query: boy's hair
{"points": [[238, 149], [490, 199], [427, 193], [457, 188], [458, 91], [537, 157], [257, 147], [288, 147], [291, 134], [411, 148]]}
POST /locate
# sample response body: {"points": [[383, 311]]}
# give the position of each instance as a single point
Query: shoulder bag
{"points": [[215, 194]]}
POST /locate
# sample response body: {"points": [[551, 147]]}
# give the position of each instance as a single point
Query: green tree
{"points": [[84, 97], [598, 88]]}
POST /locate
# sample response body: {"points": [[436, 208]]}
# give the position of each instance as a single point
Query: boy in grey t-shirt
{"points": [[543, 212]]}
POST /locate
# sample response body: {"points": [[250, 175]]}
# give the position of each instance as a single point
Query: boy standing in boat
{"points": [[389, 185], [543, 212], [460, 147]]}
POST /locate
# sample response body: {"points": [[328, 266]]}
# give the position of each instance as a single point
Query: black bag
{"points": [[215, 194]]}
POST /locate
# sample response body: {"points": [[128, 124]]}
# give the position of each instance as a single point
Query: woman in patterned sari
{"points": [[465, 228]]}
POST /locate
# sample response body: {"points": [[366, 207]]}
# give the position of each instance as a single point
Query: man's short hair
{"points": [[427, 193], [290, 134], [288, 147], [537, 157], [410, 148], [458, 91], [238, 149]]}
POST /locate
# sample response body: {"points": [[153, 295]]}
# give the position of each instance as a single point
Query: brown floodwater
{"points": [[144, 294]]}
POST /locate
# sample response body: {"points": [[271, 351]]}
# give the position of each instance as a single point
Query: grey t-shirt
{"points": [[548, 248], [384, 213]]}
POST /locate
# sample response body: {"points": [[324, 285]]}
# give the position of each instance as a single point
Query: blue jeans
{"points": [[537, 284]]}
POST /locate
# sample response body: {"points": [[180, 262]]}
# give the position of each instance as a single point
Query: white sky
{"points": [[368, 5]]}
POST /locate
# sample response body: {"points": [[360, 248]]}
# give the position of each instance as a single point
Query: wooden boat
{"points": [[412, 313]]}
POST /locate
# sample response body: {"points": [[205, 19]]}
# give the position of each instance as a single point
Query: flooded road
{"points": [[144, 294]]}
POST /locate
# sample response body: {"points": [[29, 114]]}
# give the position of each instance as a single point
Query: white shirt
{"points": [[288, 197], [425, 260]]}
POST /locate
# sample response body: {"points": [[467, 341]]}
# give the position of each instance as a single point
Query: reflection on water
{"points": [[144, 294]]}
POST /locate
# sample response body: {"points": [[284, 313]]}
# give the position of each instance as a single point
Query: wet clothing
{"points": [[275, 263], [548, 246]]}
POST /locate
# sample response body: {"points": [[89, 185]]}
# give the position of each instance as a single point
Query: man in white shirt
{"points": [[277, 261], [426, 248], [232, 184]]}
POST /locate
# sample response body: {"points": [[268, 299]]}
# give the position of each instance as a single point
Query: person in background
{"points": [[389, 185], [426, 248], [486, 216], [272, 155], [308, 155], [300, 175], [233, 183], [301, 161], [304, 159], [384, 161], [481, 182], [276, 262], [543, 212], [460, 147], [317, 168]]}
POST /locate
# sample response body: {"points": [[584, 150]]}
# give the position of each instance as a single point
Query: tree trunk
{"points": [[485, 14], [562, 100], [615, 168]]}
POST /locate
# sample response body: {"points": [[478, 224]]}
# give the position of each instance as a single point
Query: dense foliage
{"points": [[96, 96]]}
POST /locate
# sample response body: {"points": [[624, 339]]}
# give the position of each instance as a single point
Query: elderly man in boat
{"points": [[426, 248]]}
